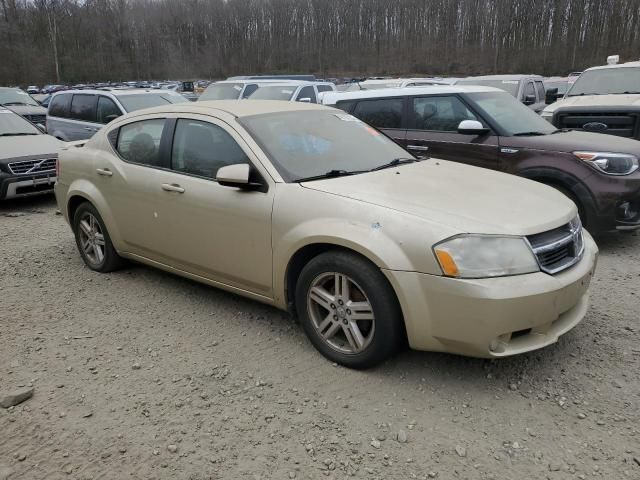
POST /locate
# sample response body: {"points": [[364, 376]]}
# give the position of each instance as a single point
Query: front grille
{"points": [[36, 118], [621, 124], [560, 248], [30, 167]]}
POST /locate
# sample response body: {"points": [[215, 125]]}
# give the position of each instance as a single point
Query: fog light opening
{"points": [[626, 211]]}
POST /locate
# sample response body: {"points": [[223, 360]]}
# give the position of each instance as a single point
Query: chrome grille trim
{"points": [[31, 167], [558, 249]]}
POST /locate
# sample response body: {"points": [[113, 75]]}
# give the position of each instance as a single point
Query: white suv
{"points": [[603, 100], [79, 114]]}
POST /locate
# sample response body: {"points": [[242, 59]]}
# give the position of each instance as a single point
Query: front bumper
{"points": [[493, 317], [17, 186]]}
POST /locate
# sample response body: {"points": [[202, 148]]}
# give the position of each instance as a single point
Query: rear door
{"points": [[82, 123], [433, 131], [386, 114]]}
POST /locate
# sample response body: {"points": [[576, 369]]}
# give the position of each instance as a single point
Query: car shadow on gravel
{"points": [[27, 205], [616, 241]]}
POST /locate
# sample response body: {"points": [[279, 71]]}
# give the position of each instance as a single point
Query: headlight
{"points": [[610, 163], [480, 256]]}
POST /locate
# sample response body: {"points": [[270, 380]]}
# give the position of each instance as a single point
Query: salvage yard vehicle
{"points": [[27, 158], [307, 208], [486, 127], [79, 114], [602, 100], [23, 104], [292, 91], [234, 89], [528, 89]]}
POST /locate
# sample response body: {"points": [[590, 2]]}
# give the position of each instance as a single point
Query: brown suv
{"points": [[486, 127]]}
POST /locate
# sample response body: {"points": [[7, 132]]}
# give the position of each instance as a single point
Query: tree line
{"points": [[51, 41]]}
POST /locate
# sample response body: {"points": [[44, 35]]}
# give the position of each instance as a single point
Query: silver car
{"points": [[79, 114], [23, 104]]}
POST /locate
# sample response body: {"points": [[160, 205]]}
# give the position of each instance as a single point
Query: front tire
{"points": [[348, 310], [93, 241]]}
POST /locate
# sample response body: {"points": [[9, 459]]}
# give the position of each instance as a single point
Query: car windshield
{"points": [[14, 125], [222, 91], [304, 144], [607, 81], [138, 101], [11, 96], [509, 86], [512, 117], [273, 92]]}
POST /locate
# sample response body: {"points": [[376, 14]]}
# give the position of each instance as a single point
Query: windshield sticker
{"points": [[288, 92], [510, 82], [237, 87]]}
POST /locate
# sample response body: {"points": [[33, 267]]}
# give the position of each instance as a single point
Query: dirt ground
{"points": [[141, 374]]}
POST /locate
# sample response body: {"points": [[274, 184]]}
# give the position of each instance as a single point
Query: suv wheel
{"points": [[348, 310], [93, 240]]}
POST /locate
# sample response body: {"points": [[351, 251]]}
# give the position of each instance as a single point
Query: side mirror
{"points": [[41, 127], [550, 96], [529, 100], [472, 127], [305, 100], [237, 176]]}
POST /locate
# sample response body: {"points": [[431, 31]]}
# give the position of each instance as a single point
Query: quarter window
{"points": [[442, 114], [139, 142], [201, 148], [384, 113], [107, 110], [83, 107], [249, 89], [325, 88]]}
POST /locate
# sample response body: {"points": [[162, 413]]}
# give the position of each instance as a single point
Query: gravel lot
{"points": [[141, 374]]}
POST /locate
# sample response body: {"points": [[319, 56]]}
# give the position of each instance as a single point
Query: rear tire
{"points": [[348, 310], [93, 240]]}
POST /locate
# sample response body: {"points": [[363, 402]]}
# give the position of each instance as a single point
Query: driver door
{"points": [[216, 232], [433, 132]]}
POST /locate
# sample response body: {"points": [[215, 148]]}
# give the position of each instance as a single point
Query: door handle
{"points": [[418, 147], [172, 187], [105, 172]]}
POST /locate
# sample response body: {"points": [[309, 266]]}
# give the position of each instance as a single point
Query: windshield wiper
{"points": [[14, 103], [16, 134], [528, 134], [330, 174], [583, 94], [630, 93], [394, 163]]}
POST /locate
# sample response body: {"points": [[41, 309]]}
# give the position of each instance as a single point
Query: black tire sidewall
{"points": [[388, 318], [111, 259]]}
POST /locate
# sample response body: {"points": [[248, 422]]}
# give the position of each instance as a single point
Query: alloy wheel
{"points": [[91, 239]]}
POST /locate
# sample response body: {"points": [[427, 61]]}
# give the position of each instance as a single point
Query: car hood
{"points": [[575, 141], [619, 100], [27, 109], [467, 199], [28, 146]]}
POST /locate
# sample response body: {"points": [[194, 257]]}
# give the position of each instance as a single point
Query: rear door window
{"points": [[139, 142], [540, 91], [107, 110], [382, 113], [59, 106], [83, 107], [529, 90]]}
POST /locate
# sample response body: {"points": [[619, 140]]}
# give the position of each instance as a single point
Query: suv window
{"points": [[83, 107], [383, 113], [59, 106], [540, 90], [442, 114], [201, 148], [528, 90], [107, 108], [324, 88], [307, 92], [249, 89], [139, 142]]}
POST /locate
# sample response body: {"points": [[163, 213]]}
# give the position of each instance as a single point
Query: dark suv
{"points": [[486, 127]]}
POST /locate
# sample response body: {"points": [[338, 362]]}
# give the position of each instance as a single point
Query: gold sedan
{"points": [[308, 209]]}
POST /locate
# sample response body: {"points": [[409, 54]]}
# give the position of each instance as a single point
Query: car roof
{"points": [[617, 65], [236, 108], [401, 92], [502, 77], [115, 91]]}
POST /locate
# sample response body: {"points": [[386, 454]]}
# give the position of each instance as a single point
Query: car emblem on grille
{"points": [[595, 126]]}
